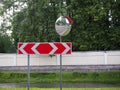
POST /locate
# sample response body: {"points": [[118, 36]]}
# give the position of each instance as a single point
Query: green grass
{"points": [[59, 89], [112, 77]]}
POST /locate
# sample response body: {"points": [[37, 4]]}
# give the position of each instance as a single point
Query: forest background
{"points": [[96, 23]]}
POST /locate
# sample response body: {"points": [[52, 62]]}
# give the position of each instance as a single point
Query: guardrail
{"points": [[53, 68]]}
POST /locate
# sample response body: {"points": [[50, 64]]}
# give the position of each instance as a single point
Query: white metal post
{"points": [[105, 57]]}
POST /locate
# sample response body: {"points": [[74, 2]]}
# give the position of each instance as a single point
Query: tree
{"points": [[6, 45], [92, 29], [36, 23], [96, 23]]}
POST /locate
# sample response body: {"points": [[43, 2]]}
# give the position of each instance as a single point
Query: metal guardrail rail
{"points": [[53, 68]]}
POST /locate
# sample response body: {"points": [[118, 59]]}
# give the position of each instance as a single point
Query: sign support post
{"points": [[60, 72], [63, 26], [60, 67], [28, 72]]}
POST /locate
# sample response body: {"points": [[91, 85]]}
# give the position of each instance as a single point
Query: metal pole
{"points": [[28, 72], [60, 72], [60, 67]]}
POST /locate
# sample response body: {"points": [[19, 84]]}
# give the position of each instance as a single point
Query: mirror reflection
{"points": [[63, 25]]}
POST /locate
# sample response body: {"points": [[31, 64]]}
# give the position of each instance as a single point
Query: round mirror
{"points": [[63, 25]]}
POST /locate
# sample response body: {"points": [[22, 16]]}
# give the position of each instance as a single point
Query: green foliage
{"points": [[59, 89], [112, 77], [36, 23], [63, 89], [91, 29], [6, 45]]}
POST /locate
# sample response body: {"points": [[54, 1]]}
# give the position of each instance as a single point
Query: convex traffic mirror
{"points": [[63, 25]]}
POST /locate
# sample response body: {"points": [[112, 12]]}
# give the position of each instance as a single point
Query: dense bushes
{"points": [[6, 45]]}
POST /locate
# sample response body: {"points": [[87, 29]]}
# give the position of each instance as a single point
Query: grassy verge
{"points": [[99, 77], [59, 89]]}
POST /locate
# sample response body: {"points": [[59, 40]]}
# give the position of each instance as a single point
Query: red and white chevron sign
{"points": [[45, 48]]}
